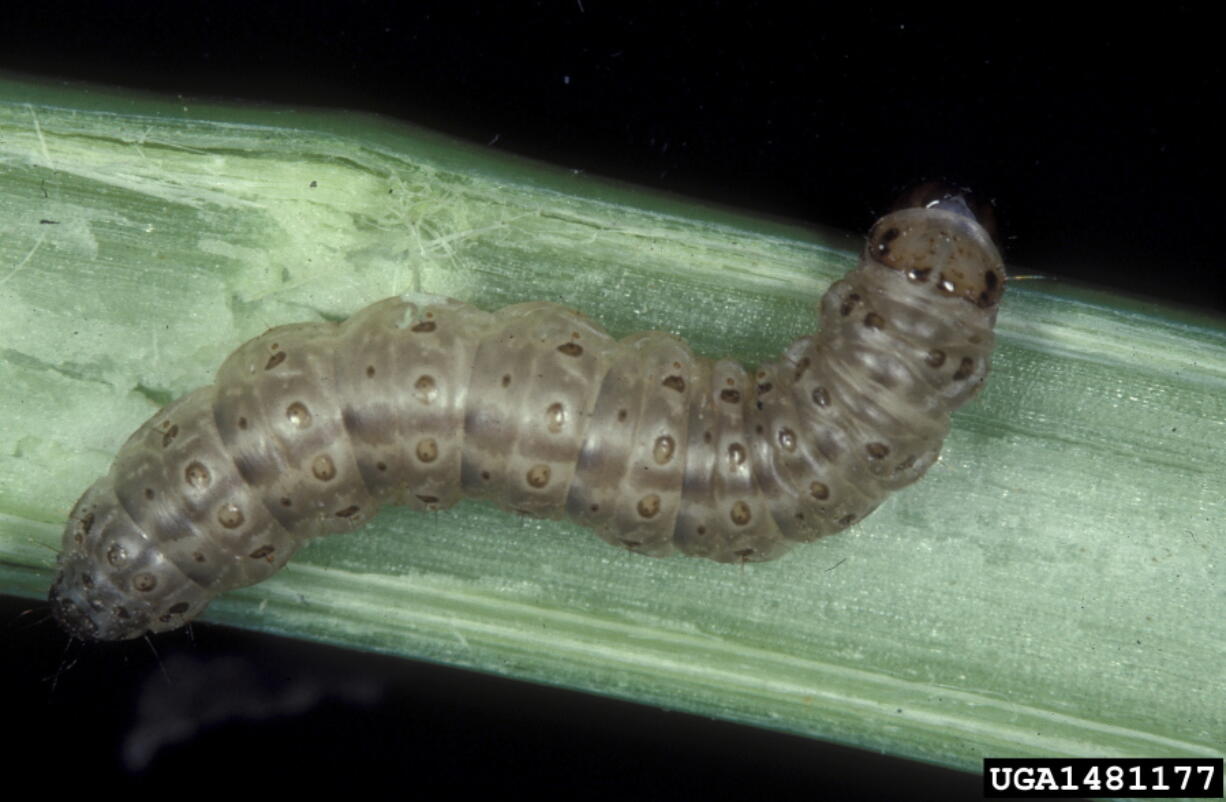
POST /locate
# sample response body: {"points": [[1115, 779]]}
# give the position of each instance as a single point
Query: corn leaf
{"points": [[1053, 586]]}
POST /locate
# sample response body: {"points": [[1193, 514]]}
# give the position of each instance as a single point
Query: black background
{"points": [[1098, 137]]}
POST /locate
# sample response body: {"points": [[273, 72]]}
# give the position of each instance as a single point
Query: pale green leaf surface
{"points": [[1054, 586]]}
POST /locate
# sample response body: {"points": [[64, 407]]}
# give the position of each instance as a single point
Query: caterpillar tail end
{"points": [[110, 584]]}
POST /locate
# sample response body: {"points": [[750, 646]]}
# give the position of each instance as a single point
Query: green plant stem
{"points": [[1053, 587]]}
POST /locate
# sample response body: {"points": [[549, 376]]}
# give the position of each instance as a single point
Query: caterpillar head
{"points": [[942, 238]]}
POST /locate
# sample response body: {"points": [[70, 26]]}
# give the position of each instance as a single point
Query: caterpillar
{"points": [[309, 428]]}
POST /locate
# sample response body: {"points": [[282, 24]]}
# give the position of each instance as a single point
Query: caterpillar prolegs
{"points": [[309, 428]]}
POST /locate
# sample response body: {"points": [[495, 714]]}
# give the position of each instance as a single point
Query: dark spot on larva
{"points": [[847, 520], [485, 475], [877, 450], [230, 516], [170, 435], [286, 502], [631, 544], [506, 380], [744, 554], [885, 238], [178, 608], [919, 274], [428, 499], [555, 417], [787, 439], [849, 304], [425, 389], [87, 523], [116, 555], [197, 475], [736, 455], [874, 321], [350, 419], [706, 436], [730, 396], [198, 556], [348, 512], [662, 450], [122, 613], [427, 450], [801, 367], [740, 513], [820, 396], [262, 552], [935, 358], [87, 581], [274, 360], [144, 583], [675, 382], [298, 414], [424, 326], [819, 490], [165, 618], [149, 493], [702, 530], [965, 369], [594, 508], [758, 429], [370, 371], [622, 415], [382, 466], [242, 423], [906, 465], [765, 388], [648, 506], [538, 476], [323, 469], [571, 349]]}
